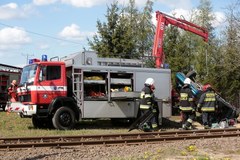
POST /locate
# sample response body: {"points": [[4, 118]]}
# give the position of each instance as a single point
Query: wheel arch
{"points": [[67, 102]]}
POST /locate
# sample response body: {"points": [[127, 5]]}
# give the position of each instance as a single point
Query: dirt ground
{"points": [[175, 121]]}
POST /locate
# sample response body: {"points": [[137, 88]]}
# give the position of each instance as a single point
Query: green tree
{"points": [[175, 51], [146, 31], [204, 53], [131, 19], [229, 82], [107, 36], [127, 32]]}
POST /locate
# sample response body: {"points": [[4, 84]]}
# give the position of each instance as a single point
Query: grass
{"points": [[11, 125]]}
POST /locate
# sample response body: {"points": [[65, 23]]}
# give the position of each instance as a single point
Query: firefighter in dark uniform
{"points": [[207, 105], [187, 105], [147, 103]]}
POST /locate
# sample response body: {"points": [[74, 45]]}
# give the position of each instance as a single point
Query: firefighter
{"points": [[207, 104], [147, 103], [187, 105], [12, 91]]}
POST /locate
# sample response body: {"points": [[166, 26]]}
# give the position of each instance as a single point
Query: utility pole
{"points": [[27, 56]]}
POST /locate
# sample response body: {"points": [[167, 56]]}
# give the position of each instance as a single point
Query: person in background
{"points": [[147, 103], [187, 105], [12, 91], [207, 104]]}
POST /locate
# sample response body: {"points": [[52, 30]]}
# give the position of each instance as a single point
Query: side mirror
{"points": [[25, 86]]}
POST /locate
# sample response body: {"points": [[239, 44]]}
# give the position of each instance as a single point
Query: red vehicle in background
{"points": [[7, 74]]}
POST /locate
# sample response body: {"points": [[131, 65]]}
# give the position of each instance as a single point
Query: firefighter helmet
{"points": [[149, 81], [187, 81], [206, 86]]}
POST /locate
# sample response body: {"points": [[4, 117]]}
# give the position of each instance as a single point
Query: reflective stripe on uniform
{"points": [[208, 109], [142, 106], [148, 95], [154, 125], [190, 120], [185, 108], [183, 96], [143, 95], [209, 99], [154, 111], [210, 95], [190, 99]]}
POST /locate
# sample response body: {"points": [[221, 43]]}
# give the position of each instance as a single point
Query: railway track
{"points": [[115, 139]]}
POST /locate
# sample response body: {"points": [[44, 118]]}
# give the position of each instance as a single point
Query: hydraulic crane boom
{"points": [[162, 21]]}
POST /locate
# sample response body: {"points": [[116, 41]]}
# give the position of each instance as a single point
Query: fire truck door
{"points": [[51, 84]]}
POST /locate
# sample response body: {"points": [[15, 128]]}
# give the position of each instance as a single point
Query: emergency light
{"points": [[44, 57], [31, 61]]}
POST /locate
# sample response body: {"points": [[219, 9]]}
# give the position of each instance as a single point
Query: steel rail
{"points": [[114, 139]]}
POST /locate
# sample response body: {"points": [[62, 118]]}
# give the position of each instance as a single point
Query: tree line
{"points": [[128, 32]]}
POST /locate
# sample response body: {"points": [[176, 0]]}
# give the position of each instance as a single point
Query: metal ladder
{"points": [[77, 78]]}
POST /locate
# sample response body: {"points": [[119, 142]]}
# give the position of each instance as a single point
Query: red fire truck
{"points": [[84, 86]]}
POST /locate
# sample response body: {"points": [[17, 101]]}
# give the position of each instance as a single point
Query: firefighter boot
{"points": [[188, 124], [206, 127], [155, 127], [184, 127]]}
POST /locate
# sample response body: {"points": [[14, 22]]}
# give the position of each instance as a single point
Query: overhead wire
{"points": [[40, 34]]}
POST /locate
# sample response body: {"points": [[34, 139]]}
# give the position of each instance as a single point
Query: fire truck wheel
{"points": [[64, 119]]}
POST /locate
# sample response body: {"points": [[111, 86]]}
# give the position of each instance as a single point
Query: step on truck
{"points": [[64, 91]]}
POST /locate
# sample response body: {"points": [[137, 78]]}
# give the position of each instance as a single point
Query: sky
{"points": [[32, 28]]}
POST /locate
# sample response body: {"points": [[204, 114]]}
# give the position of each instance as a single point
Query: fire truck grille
{"points": [[25, 98]]}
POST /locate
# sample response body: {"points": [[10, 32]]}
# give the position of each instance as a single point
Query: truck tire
{"points": [[64, 119]]}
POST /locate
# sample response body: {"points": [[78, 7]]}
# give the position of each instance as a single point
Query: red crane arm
{"points": [[162, 21]]}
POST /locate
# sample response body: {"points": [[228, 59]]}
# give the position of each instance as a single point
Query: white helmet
{"points": [[149, 81], [187, 81]]}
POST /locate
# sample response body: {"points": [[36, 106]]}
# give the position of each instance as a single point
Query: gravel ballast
{"points": [[220, 148]]}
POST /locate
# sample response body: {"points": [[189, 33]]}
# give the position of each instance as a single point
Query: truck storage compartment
{"points": [[121, 86], [95, 87]]}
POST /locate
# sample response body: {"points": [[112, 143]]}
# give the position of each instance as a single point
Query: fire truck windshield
{"points": [[28, 74]]}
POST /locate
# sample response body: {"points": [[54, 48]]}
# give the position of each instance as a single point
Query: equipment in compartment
{"points": [[121, 85], [95, 85]]}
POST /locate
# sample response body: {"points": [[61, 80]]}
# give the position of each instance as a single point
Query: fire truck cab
{"points": [[84, 86]]}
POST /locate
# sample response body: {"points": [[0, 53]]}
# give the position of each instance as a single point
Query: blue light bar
{"points": [[30, 61], [44, 57]]}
